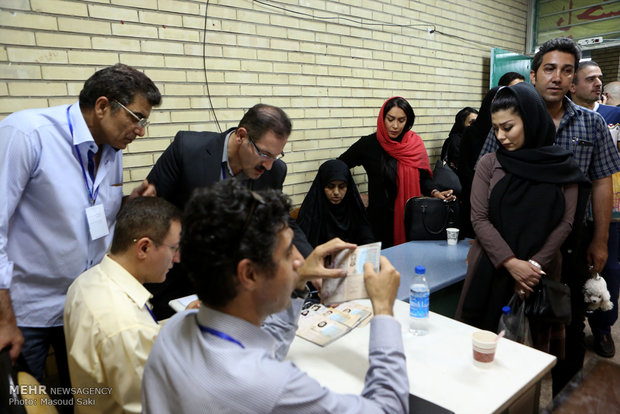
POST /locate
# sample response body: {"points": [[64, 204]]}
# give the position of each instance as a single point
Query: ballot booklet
{"points": [[352, 286], [322, 325]]}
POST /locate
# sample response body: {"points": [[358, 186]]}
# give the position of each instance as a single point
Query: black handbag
{"points": [[427, 218], [550, 302], [445, 178]]}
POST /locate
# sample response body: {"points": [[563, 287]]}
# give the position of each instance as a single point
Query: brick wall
{"points": [[329, 63]]}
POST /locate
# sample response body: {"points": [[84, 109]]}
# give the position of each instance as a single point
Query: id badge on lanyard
{"points": [[95, 214]]}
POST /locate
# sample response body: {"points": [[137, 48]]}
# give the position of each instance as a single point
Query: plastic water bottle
{"points": [[418, 303]]}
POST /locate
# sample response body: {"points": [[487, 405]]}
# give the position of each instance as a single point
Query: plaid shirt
{"points": [[585, 133]]}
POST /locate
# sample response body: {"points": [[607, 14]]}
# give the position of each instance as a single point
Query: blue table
{"points": [[445, 265]]}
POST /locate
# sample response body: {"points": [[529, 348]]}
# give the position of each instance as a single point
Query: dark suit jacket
{"points": [[194, 159]]}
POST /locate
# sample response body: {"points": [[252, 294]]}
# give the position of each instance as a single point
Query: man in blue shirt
{"points": [[61, 179], [586, 91], [229, 356], [585, 134]]}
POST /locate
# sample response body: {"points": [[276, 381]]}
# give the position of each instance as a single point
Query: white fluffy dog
{"points": [[596, 294]]}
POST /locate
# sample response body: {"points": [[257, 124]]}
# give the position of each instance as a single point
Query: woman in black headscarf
{"points": [[451, 149], [471, 145], [523, 204], [333, 208]]}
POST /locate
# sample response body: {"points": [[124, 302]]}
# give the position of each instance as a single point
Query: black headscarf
{"points": [[321, 220], [525, 206], [471, 145], [451, 149]]}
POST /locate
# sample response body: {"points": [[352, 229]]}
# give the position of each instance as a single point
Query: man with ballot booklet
{"points": [[229, 355]]}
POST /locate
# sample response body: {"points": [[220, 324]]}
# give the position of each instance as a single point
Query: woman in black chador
{"points": [[333, 208]]}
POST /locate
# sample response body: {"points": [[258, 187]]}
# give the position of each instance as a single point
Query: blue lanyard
{"points": [[222, 335], [151, 312], [223, 171], [91, 196]]}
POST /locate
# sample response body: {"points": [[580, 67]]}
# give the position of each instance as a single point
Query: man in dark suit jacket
{"points": [[251, 153]]}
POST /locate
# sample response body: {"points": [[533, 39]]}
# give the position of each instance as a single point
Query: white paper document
{"points": [[180, 304], [352, 285]]}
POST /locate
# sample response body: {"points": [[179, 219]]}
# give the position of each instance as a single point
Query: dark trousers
{"points": [[601, 322], [37, 342], [574, 274]]}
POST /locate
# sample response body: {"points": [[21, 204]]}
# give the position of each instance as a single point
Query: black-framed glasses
{"points": [[262, 154], [256, 200], [142, 122]]}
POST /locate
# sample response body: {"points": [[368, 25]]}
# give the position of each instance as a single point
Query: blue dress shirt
{"points": [[44, 237], [189, 371]]}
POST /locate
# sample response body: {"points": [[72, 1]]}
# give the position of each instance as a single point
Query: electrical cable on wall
{"points": [[360, 21], [426, 27], [204, 65]]}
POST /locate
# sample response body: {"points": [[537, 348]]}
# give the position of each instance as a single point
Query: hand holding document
{"points": [[352, 286]]}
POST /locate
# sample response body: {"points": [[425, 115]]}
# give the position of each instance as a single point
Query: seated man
{"points": [[228, 356], [109, 326]]}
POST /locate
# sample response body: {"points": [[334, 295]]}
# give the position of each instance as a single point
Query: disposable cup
{"points": [[453, 235], [484, 344]]}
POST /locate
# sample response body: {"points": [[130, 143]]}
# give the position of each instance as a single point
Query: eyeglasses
{"points": [[142, 122], [256, 200], [262, 154], [175, 248]]}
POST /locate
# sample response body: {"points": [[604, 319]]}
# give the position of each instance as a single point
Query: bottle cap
{"points": [[420, 270], [506, 309]]}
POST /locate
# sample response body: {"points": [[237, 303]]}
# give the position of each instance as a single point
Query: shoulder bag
{"points": [[550, 302], [426, 218], [445, 178]]}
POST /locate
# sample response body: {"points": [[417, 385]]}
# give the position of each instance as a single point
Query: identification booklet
{"points": [[352, 286], [322, 325]]}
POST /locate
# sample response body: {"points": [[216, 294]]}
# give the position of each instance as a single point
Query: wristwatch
{"points": [[301, 293]]}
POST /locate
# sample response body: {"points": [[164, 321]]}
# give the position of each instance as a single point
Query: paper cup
{"points": [[453, 235], [484, 344]]}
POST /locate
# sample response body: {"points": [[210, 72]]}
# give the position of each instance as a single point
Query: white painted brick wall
{"points": [[331, 76]]}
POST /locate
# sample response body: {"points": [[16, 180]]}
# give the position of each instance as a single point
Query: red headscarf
{"points": [[411, 156]]}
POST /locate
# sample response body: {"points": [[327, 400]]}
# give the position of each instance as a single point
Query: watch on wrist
{"points": [[301, 293]]}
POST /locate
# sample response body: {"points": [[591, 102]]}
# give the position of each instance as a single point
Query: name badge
{"points": [[97, 223]]}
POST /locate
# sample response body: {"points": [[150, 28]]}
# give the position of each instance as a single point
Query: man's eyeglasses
{"points": [[142, 122], [262, 154], [175, 248], [256, 200]]}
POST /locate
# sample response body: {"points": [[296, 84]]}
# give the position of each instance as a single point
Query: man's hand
{"points": [[314, 265], [10, 335], [382, 287], [597, 254], [145, 189]]}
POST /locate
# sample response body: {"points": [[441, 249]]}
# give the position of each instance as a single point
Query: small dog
{"points": [[596, 294]]}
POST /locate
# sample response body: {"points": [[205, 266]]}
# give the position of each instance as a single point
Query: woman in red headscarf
{"points": [[398, 168]]}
